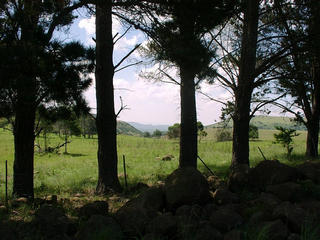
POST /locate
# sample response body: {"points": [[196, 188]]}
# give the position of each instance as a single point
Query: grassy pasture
{"points": [[76, 172]]}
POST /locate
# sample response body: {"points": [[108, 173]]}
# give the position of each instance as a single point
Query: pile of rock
{"points": [[271, 200], [278, 201]]}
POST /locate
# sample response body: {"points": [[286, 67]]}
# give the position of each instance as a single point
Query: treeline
{"points": [[261, 52]]}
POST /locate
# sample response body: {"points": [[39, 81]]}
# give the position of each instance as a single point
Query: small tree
{"points": [[157, 133], [284, 137], [253, 132], [174, 131], [223, 134], [201, 132], [146, 134]]}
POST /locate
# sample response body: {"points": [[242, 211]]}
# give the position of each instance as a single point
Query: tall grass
{"points": [[76, 172]]}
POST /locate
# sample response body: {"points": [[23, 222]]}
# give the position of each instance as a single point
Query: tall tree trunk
{"points": [[312, 139], [106, 118], [25, 109], [188, 135], [241, 119], [24, 144], [313, 121], [241, 116]]}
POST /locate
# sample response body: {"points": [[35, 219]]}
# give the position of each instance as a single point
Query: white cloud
{"points": [[88, 24]]}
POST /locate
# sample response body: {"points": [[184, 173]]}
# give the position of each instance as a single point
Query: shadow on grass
{"points": [[221, 171], [75, 154], [76, 187]]}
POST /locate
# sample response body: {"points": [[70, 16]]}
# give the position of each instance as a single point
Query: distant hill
{"points": [[267, 122], [149, 127], [127, 129]]}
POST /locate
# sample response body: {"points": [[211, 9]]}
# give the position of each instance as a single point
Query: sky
{"points": [[147, 101]]}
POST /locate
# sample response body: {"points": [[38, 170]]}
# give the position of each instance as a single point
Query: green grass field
{"points": [[76, 172]]}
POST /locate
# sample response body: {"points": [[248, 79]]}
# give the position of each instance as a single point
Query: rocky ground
{"points": [[271, 201]]}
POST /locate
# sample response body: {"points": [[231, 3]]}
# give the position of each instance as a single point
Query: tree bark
{"points": [[312, 139], [25, 109], [106, 118], [313, 121], [241, 115], [188, 134], [24, 145]]}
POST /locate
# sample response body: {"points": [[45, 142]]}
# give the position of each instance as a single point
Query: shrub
{"points": [[223, 134]]}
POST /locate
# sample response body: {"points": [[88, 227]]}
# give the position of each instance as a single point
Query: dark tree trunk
{"points": [[24, 144], [25, 109], [106, 118], [313, 121], [312, 139], [241, 119], [188, 134], [241, 116]]}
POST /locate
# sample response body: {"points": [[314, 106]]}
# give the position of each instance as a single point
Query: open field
{"points": [[76, 172]]}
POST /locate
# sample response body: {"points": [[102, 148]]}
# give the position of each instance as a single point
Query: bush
{"points": [[253, 132], [146, 134], [223, 134], [284, 137], [157, 133]]}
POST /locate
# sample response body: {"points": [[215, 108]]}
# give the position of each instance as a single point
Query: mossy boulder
{"points": [[186, 186]]}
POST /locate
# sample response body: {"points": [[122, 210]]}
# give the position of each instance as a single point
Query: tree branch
{"points": [[115, 41], [168, 76], [125, 57], [129, 65], [122, 107]]}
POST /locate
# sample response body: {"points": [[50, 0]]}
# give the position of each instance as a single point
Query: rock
{"points": [[294, 236], [267, 199], [310, 170], [100, 227], [208, 210], [150, 236], [207, 232], [153, 199], [259, 217], [270, 172], [291, 214], [238, 178], [3, 210], [233, 235], [135, 215], [19, 201], [215, 183], [225, 219], [189, 218], [133, 220], [189, 210], [288, 191], [94, 208], [224, 196], [8, 230], [140, 186], [163, 226], [275, 230], [79, 195], [167, 157], [37, 202], [53, 199], [310, 189], [186, 186], [312, 208], [51, 221]]}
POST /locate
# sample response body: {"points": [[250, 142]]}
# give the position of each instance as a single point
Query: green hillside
{"points": [[127, 129], [266, 122]]}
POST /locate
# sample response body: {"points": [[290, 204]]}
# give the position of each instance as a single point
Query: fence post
{"points": [[125, 171], [6, 200]]}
